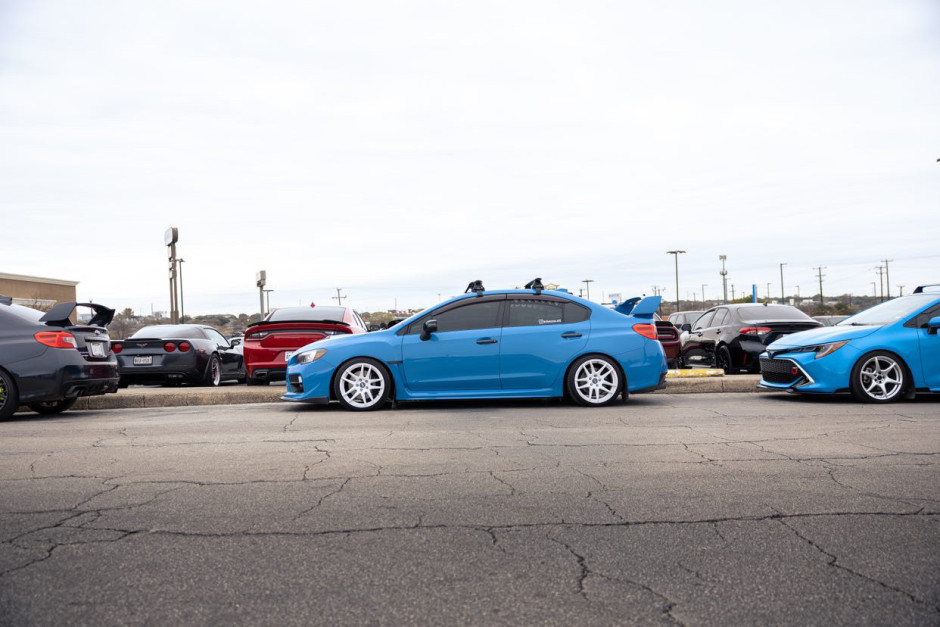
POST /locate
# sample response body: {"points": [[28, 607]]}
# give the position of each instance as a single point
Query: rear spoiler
{"points": [[640, 308], [331, 322], [59, 316]]}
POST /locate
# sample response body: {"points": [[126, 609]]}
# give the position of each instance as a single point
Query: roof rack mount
{"points": [[476, 287], [535, 284]]}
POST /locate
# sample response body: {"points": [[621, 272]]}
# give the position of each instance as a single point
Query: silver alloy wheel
{"points": [[362, 385], [216, 367], [596, 381], [881, 377]]}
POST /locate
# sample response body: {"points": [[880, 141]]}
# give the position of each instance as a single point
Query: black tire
{"points": [[723, 360], [213, 375], [879, 377], [49, 408], [123, 383], [594, 381], [365, 379], [9, 396], [253, 381]]}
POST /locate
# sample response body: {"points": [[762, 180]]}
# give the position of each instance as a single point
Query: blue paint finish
{"points": [[500, 362]]}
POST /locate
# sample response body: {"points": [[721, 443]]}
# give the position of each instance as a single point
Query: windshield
{"points": [[888, 312], [771, 312]]}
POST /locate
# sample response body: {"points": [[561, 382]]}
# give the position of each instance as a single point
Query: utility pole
{"points": [[901, 287], [724, 277], [676, 254], [887, 276], [782, 295], [587, 285], [768, 290], [798, 297], [881, 281], [874, 289], [819, 272], [170, 237], [732, 292], [339, 296]]}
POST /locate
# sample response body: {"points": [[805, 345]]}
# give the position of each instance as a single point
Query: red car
{"points": [[270, 343]]}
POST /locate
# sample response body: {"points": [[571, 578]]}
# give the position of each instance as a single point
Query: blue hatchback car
{"points": [[530, 343], [882, 354]]}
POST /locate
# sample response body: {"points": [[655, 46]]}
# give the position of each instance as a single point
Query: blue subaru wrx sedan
{"points": [[531, 343], [882, 354]]}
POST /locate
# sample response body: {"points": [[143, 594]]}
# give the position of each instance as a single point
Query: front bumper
{"points": [[827, 375]]}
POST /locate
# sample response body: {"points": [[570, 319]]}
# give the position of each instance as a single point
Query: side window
{"points": [[704, 322], [216, 337], [576, 313], [535, 313], [473, 316], [721, 317], [920, 322]]}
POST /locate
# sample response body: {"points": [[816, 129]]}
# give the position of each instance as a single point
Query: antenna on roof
{"points": [[535, 284], [476, 287]]}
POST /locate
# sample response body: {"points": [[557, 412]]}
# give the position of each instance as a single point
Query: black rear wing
{"points": [[60, 315]]}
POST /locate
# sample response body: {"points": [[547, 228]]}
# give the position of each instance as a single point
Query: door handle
{"points": [[570, 334], [487, 340]]}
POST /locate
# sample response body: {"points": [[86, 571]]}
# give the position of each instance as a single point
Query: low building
{"points": [[34, 291]]}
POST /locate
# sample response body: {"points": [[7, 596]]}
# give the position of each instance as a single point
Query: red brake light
{"points": [[185, 346], [117, 348], [754, 330], [56, 339], [169, 347], [646, 330]]}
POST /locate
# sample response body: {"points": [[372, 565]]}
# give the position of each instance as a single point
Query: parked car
{"points": [[178, 353], [683, 320], [666, 332], [489, 344], [271, 342], [829, 320], [732, 337], [47, 362], [879, 355]]}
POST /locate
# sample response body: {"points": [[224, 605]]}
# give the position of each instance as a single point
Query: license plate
{"points": [[143, 360], [288, 355], [96, 349]]}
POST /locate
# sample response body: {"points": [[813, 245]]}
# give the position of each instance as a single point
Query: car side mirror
{"points": [[933, 324], [686, 327], [430, 326], [235, 341]]}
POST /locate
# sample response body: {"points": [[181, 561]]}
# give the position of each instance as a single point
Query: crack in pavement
{"points": [[833, 561]]}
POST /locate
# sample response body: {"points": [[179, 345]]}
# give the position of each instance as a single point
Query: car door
{"points": [[541, 334], [711, 335], [929, 345], [230, 357], [462, 355], [692, 352]]}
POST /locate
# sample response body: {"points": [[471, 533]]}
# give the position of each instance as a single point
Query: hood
{"points": [[332, 341], [821, 335]]}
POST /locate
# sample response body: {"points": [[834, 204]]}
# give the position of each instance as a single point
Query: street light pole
{"points": [[587, 287], [782, 295], [676, 253], [267, 296], [703, 292], [724, 277]]}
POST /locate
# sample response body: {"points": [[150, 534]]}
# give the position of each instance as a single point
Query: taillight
{"points": [[117, 348], [754, 330], [169, 347], [257, 335], [646, 330], [56, 339], [185, 346]]}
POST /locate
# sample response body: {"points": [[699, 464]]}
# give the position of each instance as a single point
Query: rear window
{"points": [[23, 313], [171, 332], [771, 312], [307, 314]]}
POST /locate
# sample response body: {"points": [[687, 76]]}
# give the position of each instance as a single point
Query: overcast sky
{"points": [[400, 149]]}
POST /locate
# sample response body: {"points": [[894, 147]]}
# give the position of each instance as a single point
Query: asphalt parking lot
{"points": [[671, 509]]}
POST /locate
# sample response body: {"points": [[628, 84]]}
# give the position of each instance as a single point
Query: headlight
{"points": [[822, 350], [310, 356]]}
